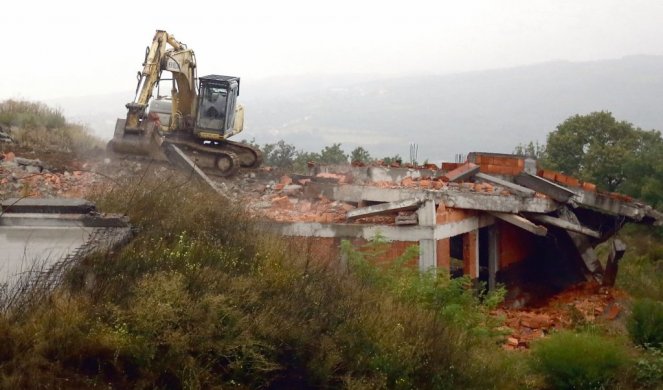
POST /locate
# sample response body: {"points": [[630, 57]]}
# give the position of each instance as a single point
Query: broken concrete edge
{"points": [[450, 198], [370, 231], [517, 189], [566, 225], [64, 220], [465, 171], [544, 186], [47, 205], [389, 207], [522, 223]]}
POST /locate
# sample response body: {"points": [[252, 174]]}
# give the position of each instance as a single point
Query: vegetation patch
{"points": [[571, 360]]}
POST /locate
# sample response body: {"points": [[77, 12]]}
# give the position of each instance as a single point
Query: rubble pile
{"points": [[22, 177], [284, 201], [585, 303]]}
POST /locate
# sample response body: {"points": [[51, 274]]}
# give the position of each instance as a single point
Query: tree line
{"points": [[284, 155]]}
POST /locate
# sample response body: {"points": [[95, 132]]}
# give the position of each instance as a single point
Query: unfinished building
{"points": [[497, 218]]}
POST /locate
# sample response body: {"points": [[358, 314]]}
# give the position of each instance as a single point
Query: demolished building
{"points": [[495, 217]]}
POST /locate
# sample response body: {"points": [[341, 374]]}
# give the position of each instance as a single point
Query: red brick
{"points": [[282, 202]]}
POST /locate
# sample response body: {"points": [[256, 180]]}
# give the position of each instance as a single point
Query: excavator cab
{"points": [[216, 116]]}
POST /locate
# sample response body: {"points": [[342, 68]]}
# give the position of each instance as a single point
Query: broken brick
{"points": [[282, 202], [285, 180], [407, 182]]}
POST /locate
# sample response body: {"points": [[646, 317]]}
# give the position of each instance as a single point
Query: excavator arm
{"points": [[159, 57]]}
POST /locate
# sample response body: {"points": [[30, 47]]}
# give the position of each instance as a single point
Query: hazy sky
{"points": [[68, 48]]}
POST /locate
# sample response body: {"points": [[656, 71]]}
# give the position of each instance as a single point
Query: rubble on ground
{"points": [[582, 304]]}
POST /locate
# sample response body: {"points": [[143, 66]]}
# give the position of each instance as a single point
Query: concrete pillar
{"points": [[493, 256], [427, 248], [471, 254]]}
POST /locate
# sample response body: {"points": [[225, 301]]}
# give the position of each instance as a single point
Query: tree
{"points": [[279, 154], [532, 149], [391, 160], [594, 147], [333, 155], [360, 154]]}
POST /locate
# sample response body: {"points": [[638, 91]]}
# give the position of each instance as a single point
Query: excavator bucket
{"points": [[141, 143]]}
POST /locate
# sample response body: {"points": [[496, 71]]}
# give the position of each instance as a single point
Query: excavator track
{"points": [[213, 159], [249, 156]]}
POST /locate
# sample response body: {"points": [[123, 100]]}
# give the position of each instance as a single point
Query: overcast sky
{"points": [[72, 48]]}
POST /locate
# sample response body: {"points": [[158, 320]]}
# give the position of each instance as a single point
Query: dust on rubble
{"points": [[584, 303]]}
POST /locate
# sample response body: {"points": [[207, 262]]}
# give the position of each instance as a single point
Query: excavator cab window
{"points": [[216, 104], [212, 109]]}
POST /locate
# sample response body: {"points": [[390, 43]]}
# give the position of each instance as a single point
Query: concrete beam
{"points": [[494, 202], [566, 225], [461, 227], [344, 230], [47, 205], [449, 197], [522, 223], [605, 204], [62, 220], [515, 188], [400, 205], [544, 186], [367, 232]]}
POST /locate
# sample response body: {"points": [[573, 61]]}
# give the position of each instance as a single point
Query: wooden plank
{"points": [[546, 219], [515, 188], [522, 223]]}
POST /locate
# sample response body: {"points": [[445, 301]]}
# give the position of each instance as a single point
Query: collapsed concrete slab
{"points": [[503, 214]]}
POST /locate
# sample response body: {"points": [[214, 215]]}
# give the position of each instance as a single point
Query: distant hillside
{"points": [[444, 114]]}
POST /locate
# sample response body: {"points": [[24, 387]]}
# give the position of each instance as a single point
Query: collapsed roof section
{"points": [[464, 211]]}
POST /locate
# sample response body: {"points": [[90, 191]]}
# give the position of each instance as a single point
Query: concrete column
{"points": [[471, 254], [427, 247], [493, 256]]}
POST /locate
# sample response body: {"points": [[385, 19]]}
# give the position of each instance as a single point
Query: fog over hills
{"points": [[491, 110]]}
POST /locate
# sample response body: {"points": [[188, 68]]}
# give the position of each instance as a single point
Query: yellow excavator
{"points": [[198, 117]]}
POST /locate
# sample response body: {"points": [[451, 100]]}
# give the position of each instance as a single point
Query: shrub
{"points": [[649, 369], [21, 113], [646, 323], [578, 360]]}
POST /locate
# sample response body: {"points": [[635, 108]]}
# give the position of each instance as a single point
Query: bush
{"points": [[646, 323], [578, 360], [26, 114], [649, 369]]}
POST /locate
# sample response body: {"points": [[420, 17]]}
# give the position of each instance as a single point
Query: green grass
{"points": [[571, 360]]}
